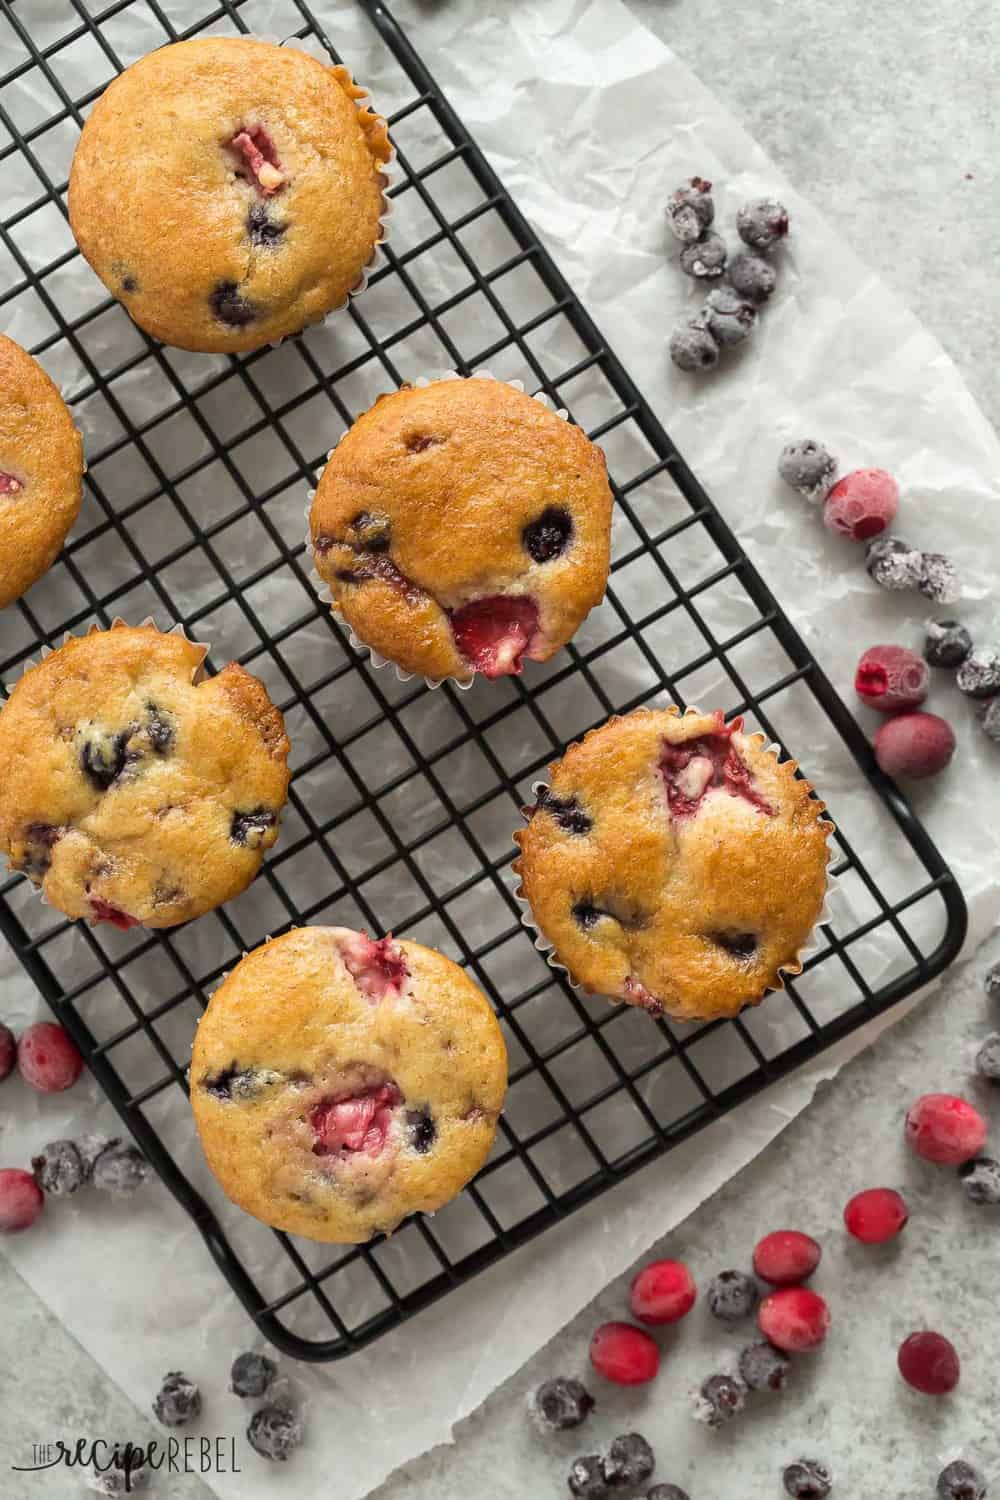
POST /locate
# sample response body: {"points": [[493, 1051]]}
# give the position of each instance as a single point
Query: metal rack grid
{"points": [[403, 801]]}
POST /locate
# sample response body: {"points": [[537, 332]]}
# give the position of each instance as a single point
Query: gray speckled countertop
{"points": [[885, 115]]}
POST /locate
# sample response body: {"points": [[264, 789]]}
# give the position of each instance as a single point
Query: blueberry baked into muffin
{"points": [[462, 526], [137, 791], [675, 864], [41, 471], [229, 191], [340, 1083]]}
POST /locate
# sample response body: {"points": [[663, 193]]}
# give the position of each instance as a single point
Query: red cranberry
{"points": [[21, 1200], [493, 634], [861, 504], [378, 968], [929, 1362], [876, 1215], [663, 1292], [914, 745], [891, 677], [8, 1051], [48, 1059], [794, 1319], [945, 1129], [624, 1354], [104, 912], [786, 1257]]}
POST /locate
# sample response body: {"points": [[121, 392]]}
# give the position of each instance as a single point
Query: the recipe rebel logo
{"points": [[134, 1464]]}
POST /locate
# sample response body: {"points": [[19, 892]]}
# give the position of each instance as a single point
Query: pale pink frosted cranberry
{"points": [[945, 1129], [930, 1363], [378, 968], [795, 1318], [876, 1215], [48, 1059], [861, 505], [914, 745], [21, 1200], [663, 1292], [786, 1257], [494, 634], [624, 1354], [891, 677]]}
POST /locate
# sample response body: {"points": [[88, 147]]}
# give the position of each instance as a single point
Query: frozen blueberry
{"points": [[718, 1399], [752, 276], [628, 1462], [235, 1082], [893, 563], [939, 578], [371, 530], [807, 1479], [691, 210], [262, 229], [989, 718], [586, 914], [762, 224], [230, 306], [567, 812], [979, 674], [586, 1478], [549, 535], [988, 1057], [129, 284], [764, 1368], [250, 827], [991, 981], [946, 643], [251, 1374], [729, 317], [160, 729], [39, 841], [274, 1432], [960, 1481], [562, 1403], [704, 258], [731, 1296], [423, 1131], [692, 346], [90, 1148], [177, 1401], [59, 1169], [103, 758], [667, 1492], [126, 1474], [808, 467], [120, 1170], [981, 1179]]}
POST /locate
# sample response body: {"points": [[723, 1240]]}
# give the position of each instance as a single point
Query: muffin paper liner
{"points": [[811, 945], [323, 589]]}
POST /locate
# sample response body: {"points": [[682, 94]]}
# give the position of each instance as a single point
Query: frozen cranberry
{"points": [[891, 677], [48, 1059], [8, 1051], [378, 968], [624, 1354], [794, 1319], [494, 634], [861, 504], [21, 1200], [945, 1129], [358, 1123], [786, 1257], [914, 745], [663, 1292], [929, 1362], [876, 1215]]}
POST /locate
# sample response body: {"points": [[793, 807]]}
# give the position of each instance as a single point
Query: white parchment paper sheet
{"points": [[590, 121]]}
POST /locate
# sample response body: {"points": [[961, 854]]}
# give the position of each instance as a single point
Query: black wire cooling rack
{"points": [[403, 801]]}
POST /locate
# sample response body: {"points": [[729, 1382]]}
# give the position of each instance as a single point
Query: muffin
{"points": [[339, 1083], [675, 864], [136, 790], [462, 526], [229, 191], [41, 471]]}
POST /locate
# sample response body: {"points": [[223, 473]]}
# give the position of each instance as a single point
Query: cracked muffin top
{"points": [[675, 864], [462, 526], [339, 1083], [228, 191], [41, 471], [136, 790]]}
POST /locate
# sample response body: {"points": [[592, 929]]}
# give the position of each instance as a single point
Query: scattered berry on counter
{"points": [[979, 674], [945, 1129], [252, 1373], [667, 1492], [731, 1296], [274, 1432], [48, 1059], [929, 1362], [663, 1292], [794, 1318], [988, 711], [876, 1215], [562, 1403], [120, 1169], [718, 1399], [939, 579], [20, 1200], [729, 317], [807, 1479], [127, 1473], [981, 1179], [586, 1478], [762, 224], [946, 643], [692, 347], [808, 468], [704, 258], [893, 563], [764, 1368], [177, 1401], [988, 1057], [628, 1462], [90, 1147], [786, 1257], [690, 210], [960, 1481], [58, 1169], [891, 677], [752, 276], [624, 1354], [8, 1051], [914, 745], [991, 981], [861, 504]]}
